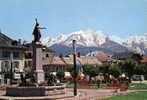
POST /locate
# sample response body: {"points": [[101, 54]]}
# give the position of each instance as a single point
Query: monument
{"points": [[37, 54], [33, 91]]}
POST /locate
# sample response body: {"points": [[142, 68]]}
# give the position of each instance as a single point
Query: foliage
{"points": [[71, 70], [50, 78], [137, 57], [9, 75], [104, 68], [60, 74], [30, 75], [71, 85], [90, 70], [115, 70], [141, 69], [128, 66]]}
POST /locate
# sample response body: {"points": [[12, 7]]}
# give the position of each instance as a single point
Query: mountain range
{"points": [[91, 41]]}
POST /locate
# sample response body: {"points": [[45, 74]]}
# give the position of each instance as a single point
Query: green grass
{"points": [[138, 86], [131, 87], [135, 96]]}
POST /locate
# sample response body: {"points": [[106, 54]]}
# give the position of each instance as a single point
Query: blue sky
{"points": [[117, 17]]}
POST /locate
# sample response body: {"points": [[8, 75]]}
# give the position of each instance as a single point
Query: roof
{"points": [[88, 60], [5, 40], [54, 61], [144, 59], [5, 37], [13, 47], [66, 61], [103, 57]]}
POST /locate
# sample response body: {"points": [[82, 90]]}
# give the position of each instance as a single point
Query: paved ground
{"points": [[83, 94], [92, 94]]}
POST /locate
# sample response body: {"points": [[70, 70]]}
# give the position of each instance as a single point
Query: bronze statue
{"points": [[36, 32]]}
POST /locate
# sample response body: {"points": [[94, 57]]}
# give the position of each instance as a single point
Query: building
{"points": [[104, 57], [144, 60], [54, 64], [11, 58]]}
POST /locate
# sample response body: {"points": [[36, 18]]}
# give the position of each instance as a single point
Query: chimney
{"points": [[78, 54]]}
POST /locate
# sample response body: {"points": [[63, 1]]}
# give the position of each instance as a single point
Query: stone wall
{"points": [[23, 91], [35, 91]]}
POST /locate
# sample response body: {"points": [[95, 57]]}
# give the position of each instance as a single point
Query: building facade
{"points": [[11, 58]]}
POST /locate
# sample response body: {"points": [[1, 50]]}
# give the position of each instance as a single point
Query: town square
{"points": [[55, 50]]}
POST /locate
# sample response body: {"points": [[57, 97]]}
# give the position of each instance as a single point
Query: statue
{"points": [[36, 32]]}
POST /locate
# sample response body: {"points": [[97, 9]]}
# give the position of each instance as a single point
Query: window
{"points": [[16, 54], [5, 54]]}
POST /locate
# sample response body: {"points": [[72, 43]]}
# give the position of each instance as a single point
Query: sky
{"points": [[114, 17]]}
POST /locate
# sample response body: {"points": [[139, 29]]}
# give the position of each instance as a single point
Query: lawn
{"points": [[135, 96], [131, 87], [138, 86]]}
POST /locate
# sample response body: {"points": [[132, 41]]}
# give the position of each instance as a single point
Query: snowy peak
{"points": [[98, 39], [137, 43], [136, 39], [83, 38]]}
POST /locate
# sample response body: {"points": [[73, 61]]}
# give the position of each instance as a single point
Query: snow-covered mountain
{"points": [[88, 41], [137, 43], [83, 38]]}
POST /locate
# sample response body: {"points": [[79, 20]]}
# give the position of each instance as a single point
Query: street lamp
{"points": [[75, 67]]}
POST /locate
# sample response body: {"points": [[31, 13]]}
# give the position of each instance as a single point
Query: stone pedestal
{"points": [[37, 62], [39, 76]]}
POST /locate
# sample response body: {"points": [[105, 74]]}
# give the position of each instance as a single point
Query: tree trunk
{"points": [[89, 79]]}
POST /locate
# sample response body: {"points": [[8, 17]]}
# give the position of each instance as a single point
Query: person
{"points": [[36, 32]]}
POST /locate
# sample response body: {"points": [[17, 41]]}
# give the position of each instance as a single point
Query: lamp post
{"points": [[75, 68]]}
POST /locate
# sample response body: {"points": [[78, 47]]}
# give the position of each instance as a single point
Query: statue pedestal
{"points": [[37, 62], [39, 76]]}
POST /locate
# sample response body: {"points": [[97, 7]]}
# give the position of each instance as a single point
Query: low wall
{"points": [[34, 91], [54, 90]]}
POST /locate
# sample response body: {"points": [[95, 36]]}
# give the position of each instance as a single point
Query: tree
{"points": [[104, 69], [50, 78], [137, 57], [141, 69], [128, 67], [71, 70], [115, 70], [90, 70], [60, 74]]}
